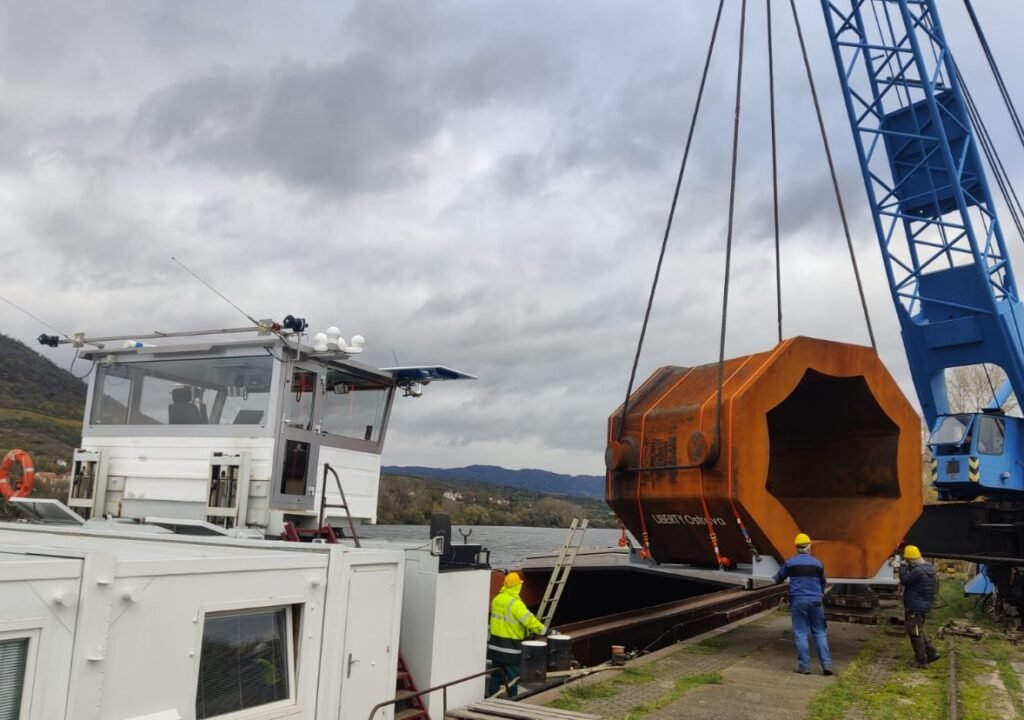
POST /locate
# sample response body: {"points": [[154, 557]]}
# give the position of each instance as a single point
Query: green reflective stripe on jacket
{"points": [[510, 618]]}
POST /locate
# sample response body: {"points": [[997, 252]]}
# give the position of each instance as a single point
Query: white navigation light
{"points": [[334, 339], [320, 342]]}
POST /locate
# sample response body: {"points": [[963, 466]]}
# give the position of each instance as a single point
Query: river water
{"points": [[509, 545]]}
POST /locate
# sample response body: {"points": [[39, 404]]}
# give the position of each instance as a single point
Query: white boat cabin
{"points": [[242, 433]]}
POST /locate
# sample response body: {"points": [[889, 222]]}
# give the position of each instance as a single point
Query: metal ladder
{"points": [[342, 506], [560, 572]]}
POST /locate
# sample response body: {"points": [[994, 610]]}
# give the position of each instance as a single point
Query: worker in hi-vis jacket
{"points": [[806, 587], [511, 622]]}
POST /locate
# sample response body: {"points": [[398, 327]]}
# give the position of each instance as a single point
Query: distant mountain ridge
{"points": [[589, 486]]}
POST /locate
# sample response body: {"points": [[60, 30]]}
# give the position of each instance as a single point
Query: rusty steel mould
{"points": [[815, 437]]}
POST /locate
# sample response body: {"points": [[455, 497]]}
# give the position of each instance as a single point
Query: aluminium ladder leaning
{"points": [[560, 572]]}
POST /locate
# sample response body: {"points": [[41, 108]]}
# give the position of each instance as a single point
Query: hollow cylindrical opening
{"points": [[833, 455]]}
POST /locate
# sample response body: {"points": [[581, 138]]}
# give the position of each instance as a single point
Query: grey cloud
{"points": [[349, 127]]}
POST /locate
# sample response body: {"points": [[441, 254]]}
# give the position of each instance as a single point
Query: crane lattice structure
{"points": [[943, 247]]}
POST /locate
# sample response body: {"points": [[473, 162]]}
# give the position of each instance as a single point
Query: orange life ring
{"points": [[28, 474]]}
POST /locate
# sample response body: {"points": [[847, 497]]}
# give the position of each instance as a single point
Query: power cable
{"points": [[832, 170], [671, 216]]}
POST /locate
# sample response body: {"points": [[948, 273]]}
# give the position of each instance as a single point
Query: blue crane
{"points": [[943, 245]]}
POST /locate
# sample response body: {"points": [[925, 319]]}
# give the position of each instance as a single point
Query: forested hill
{"points": [[408, 500], [590, 486], [41, 405]]}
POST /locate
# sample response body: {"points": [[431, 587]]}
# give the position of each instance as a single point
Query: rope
{"points": [[775, 167], [995, 162], [835, 179], [671, 216], [729, 227], [725, 284]]}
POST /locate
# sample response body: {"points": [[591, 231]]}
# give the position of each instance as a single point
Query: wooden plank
{"points": [[463, 714], [521, 711], [548, 712], [473, 713]]}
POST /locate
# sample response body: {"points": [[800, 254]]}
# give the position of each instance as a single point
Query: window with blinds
{"points": [[245, 662], [12, 677]]}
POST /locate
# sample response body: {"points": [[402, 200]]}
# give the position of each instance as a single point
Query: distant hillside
{"points": [[590, 486], [41, 405], [408, 500]]}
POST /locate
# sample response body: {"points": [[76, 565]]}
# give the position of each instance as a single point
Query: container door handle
{"points": [[351, 662]]}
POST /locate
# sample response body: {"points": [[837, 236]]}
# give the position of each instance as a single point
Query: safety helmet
{"points": [[512, 580], [911, 552], [802, 539]]}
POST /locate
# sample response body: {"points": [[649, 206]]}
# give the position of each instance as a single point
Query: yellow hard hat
{"points": [[513, 579], [911, 552], [802, 539]]}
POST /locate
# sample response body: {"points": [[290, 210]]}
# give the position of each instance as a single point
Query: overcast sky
{"points": [[481, 184]]}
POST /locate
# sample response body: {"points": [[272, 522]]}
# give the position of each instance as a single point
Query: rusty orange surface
{"points": [[815, 437]]}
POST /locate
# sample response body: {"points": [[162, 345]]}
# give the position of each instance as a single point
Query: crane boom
{"points": [[945, 255]]}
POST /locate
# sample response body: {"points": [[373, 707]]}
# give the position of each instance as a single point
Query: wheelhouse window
{"points": [[300, 400], [247, 661], [354, 407], [13, 657], [205, 391]]}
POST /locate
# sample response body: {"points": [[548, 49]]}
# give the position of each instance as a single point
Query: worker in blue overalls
{"points": [[806, 586]]}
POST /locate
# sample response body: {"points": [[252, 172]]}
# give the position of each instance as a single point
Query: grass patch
{"points": [[906, 693], [634, 676], [707, 646], [976, 701], [573, 694], [681, 687], [832, 702], [565, 702]]}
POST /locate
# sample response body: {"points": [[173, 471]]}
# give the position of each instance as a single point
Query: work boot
{"points": [[801, 671], [933, 658], [921, 665], [827, 671]]}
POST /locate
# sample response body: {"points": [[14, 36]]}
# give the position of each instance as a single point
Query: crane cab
{"points": [[972, 455]]}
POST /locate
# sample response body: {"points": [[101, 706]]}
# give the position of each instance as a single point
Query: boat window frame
{"points": [[266, 428], [346, 442], [294, 613], [31, 632]]}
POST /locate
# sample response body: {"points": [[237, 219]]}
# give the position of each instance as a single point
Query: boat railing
{"points": [[443, 687]]}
